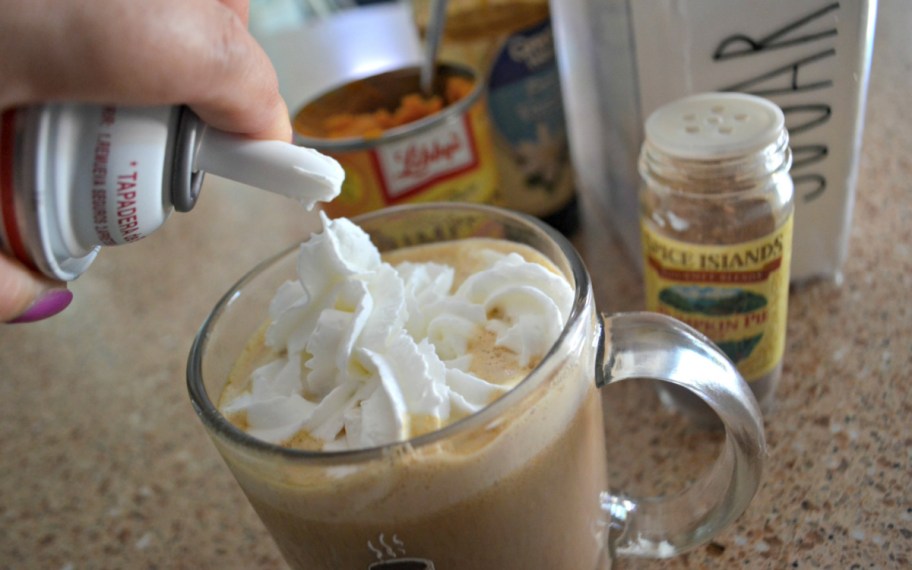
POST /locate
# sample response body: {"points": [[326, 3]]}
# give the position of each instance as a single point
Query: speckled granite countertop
{"points": [[104, 465]]}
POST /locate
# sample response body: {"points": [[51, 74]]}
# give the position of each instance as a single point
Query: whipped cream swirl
{"points": [[372, 354]]}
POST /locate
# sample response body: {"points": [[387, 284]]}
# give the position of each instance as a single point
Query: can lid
{"points": [[715, 126]]}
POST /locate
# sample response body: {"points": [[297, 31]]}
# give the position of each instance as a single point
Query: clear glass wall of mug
{"points": [[521, 484]]}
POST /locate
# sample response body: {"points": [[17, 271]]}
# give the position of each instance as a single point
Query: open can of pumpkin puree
{"points": [[398, 146]]}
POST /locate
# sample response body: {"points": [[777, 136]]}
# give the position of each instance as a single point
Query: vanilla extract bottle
{"points": [[717, 206], [510, 44]]}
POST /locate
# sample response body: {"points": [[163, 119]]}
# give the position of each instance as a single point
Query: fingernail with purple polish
{"points": [[48, 305]]}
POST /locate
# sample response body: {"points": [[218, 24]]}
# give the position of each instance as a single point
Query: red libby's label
{"points": [[416, 162]]}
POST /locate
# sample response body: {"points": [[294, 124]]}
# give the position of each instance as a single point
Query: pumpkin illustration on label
{"points": [[723, 305], [711, 301]]}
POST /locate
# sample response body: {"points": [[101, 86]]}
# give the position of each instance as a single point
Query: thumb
{"points": [[26, 297]]}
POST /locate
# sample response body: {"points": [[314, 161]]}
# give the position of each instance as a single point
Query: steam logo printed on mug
{"points": [[393, 548]]}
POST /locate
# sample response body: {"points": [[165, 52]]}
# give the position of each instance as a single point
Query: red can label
{"points": [[452, 160], [415, 163]]}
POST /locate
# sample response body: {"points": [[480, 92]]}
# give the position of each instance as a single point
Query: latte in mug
{"points": [[438, 407], [451, 327]]}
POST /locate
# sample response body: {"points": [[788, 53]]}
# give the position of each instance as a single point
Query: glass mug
{"points": [[522, 483]]}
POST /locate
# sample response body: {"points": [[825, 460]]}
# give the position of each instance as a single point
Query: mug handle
{"points": [[658, 347]]}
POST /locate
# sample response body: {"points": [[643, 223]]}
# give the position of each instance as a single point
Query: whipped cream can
{"points": [[446, 156], [621, 60], [76, 177]]}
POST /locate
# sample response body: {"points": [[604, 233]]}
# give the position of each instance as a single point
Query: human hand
{"points": [[155, 52]]}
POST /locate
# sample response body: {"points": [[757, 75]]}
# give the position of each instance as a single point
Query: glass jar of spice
{"points": [[716, 205]]}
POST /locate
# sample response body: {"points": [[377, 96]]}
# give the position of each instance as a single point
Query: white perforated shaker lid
{"points": [[715, 126]]}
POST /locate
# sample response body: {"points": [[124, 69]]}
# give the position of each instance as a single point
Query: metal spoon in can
{"points": [[433, 36]]}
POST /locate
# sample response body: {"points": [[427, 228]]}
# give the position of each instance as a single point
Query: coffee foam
{"points": [[367, 353]]}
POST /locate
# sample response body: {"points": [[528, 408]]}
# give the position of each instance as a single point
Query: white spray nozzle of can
{"points": [[279, 167], [76, 177]]}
